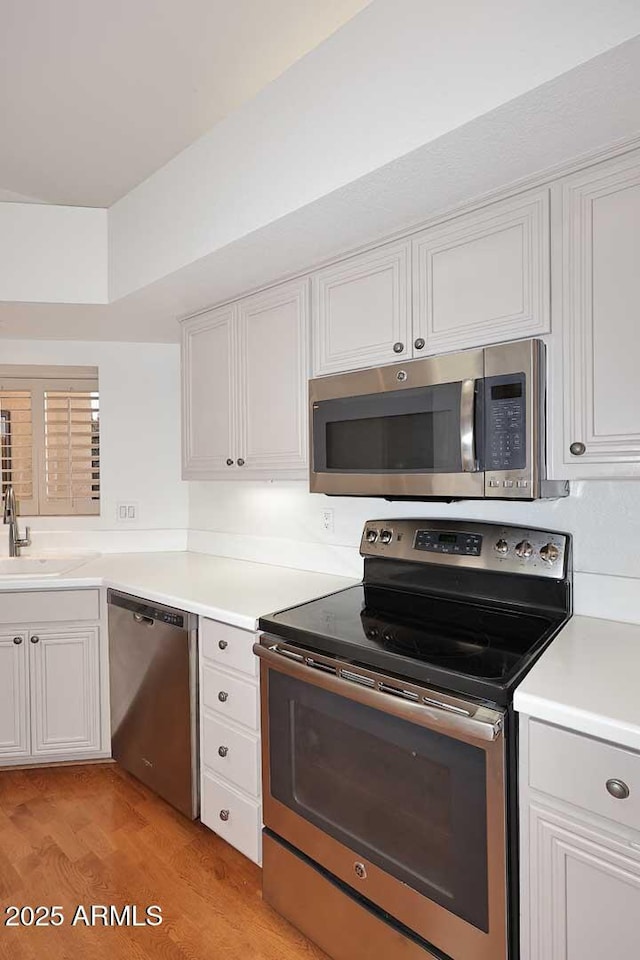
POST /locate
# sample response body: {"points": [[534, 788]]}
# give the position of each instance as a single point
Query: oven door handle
{"points": [[484, 724], [467, 426]]}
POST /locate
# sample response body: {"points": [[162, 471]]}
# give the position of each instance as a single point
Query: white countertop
{"points": [[234, 591], [588, 680]]}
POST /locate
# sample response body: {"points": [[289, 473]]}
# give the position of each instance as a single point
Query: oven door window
{"points": [[402, 430], [408, 799]]}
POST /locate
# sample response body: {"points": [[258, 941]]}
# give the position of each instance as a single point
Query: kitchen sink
{"points": [[19, 567]]}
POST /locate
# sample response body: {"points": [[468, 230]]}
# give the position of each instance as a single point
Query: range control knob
{"points": [[371, 536], [549, 553], [501, 546], [386, 536], [524, 549]]}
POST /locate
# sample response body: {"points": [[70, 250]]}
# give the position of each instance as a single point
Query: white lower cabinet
{"points": [[52, 703], [65, 692], [580, 846], [231, 794], [15, 739], [588, 891]]}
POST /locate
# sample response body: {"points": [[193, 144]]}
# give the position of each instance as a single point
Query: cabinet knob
{"points": [[223, 644], [577, 448], [229, 462], [240, 462], [223, 696], [617, 789], [35, 639], [224, 815], [398, 347], [223, 751], [17, 641], [419, 343]]}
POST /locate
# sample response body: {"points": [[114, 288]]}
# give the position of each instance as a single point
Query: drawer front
{"points": [[231, 754], [230, 697], [228, 646], [236, 819], [50, 606], [576, 768]]}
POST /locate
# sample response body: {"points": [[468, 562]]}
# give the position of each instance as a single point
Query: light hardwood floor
{"points": [[93, 835]]}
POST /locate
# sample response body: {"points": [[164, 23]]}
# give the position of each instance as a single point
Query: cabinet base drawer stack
{"points": [[230, 737]]}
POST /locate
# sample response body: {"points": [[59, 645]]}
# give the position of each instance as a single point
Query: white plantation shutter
{"points": [[50, 441], [71, 451], [16, 445]]}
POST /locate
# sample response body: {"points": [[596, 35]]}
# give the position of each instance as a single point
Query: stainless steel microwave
{"points": [[464, 425]]}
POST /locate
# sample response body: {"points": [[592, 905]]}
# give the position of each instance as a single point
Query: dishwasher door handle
{"points": [[149, 621]]}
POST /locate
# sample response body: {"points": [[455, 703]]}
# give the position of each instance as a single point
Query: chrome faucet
{"points": [[16, 542]]}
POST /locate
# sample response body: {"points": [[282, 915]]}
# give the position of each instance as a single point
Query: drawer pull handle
{"points": [[223, 644], [17, 641], [223, 696], [617, 789], [224, 815], [223, 751]]}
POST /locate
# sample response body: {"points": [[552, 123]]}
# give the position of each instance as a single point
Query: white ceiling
{"points": [[577, 114], [95, 95]]}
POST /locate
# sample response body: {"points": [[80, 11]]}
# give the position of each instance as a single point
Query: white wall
{"points": [[53, 254], [281, 523], [397, 76], [140, 445]]}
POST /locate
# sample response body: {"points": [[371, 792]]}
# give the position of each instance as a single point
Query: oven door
{"points": [[404, 430], [396, 790]]}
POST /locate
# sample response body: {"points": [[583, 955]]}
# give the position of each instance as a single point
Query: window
{"points": [[50, 439]]}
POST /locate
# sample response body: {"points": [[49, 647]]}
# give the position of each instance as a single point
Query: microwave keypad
{"points": [[505, 422]]}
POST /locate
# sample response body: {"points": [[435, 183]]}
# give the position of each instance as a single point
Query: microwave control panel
{"points": [[505, 422]]}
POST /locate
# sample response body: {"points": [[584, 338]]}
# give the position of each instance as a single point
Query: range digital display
{"points": [[448, 538]]}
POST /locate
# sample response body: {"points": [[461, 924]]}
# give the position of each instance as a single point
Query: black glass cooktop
{"points": [[455, 644]]}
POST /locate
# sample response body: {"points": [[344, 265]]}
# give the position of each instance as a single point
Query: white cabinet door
{"points": [[65, 691], [14, 696], [208, 391], [600, 278], [585, 890], [362, 310], [483, 277], [273, 370]]}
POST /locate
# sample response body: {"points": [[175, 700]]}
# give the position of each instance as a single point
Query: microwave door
{"points": [[409, 442]]}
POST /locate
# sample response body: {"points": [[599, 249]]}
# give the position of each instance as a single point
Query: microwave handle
{"points": [[467, 426]]}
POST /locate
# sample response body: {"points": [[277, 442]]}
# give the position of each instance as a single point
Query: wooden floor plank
{"points": [[86, 835]]}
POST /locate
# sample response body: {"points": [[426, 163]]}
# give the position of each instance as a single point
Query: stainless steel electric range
{"points": [[389, 742]]}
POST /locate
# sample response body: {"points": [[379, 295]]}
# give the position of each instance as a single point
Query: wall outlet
{"points": [[327, 520], [126, 512]]}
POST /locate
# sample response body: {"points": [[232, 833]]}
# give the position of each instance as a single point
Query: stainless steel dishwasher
{"points": [[154, 693]]}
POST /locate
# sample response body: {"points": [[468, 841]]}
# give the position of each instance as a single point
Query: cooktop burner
{"points": [[467, 624]]}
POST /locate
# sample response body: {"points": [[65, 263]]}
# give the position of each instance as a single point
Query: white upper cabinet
{"points": [[362, 310], [483, 277], [274, 367], [598, 281], [244, 370], [207, 399]]}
